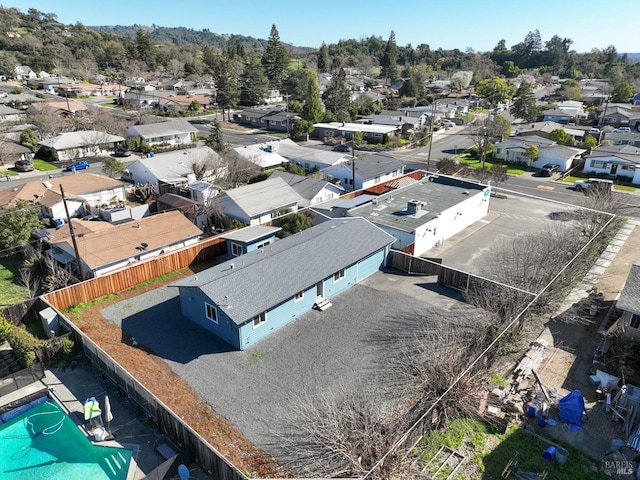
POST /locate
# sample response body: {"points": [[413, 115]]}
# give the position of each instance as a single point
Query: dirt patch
{"points": [[157, 376]]}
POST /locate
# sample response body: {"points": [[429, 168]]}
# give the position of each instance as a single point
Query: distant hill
{"points": [[633, 56], [186, 35]]}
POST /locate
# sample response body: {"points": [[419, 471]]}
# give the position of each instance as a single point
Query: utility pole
{"points": [[432, 121], [286, 96], [353, 164], [73, 236]]}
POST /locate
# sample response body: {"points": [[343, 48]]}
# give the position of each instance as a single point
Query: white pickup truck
{"points": [[583, 185]]}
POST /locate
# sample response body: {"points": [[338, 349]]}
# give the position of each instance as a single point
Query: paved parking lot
{"points": [[507, 218], [352, 347]]}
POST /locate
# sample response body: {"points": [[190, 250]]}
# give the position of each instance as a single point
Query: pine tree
{"points": [[275, 59], [524, 105], [227, 91], [253, 83], [389, 60], [337, 96], [312, 110], [324, 62], [216, 140]]}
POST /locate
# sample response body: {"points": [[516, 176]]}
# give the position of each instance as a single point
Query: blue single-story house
{"points": [[247, 298], [248, 239]]}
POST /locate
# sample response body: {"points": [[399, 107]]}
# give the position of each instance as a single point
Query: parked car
{"points": [[344, 147], [548, 169], [23, 166], [448, 123], [623, 130], [79, 165], [121, 152], [594, 131]]}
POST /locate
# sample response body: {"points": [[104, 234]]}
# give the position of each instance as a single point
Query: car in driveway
{"points": [[79, 165], [448, 123], [548, 169], [23, 166], [121, 152], [344, 147]]}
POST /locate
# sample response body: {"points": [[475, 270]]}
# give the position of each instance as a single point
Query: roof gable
{"points": [[262, 197], [629, 299]]}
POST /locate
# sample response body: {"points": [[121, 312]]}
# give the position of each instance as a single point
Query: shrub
{"points": [[66, 345], [24, 345]]}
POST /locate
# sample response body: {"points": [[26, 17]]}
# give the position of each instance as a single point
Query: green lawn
{"points": [[43, 165], [11, 291], [490, 452], [474, 162], [11, 173]]}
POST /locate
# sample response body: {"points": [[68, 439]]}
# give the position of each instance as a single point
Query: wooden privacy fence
{"points": [[410, 264], [447, 276], [136, 274], [194, 447]]}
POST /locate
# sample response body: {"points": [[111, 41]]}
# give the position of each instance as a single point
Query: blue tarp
{"points": [[571, 407]]}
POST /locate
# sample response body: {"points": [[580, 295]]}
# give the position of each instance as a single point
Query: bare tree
{"points": [[30, 280], [238, 171], [206, 166], [487, 132], [335, 435], [47, 124], [143, 192]]}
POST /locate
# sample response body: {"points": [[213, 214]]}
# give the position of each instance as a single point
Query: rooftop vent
{"points": [[413, 206]]}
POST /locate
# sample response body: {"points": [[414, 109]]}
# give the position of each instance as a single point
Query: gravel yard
{"points": [[345, 347]]}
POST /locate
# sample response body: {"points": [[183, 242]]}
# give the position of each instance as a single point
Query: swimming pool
{"points": [[45, 443]]}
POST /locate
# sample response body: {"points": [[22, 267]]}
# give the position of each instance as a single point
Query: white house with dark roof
{"points": [[311, 189], [369, 171], [174, 132], [615, 160], [86, 143], [261, 202], [248, 298], [425, 214]]}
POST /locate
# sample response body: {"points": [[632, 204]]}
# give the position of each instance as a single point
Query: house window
{"points": [[635, 321], [298, 296], [259, 319], [339, 275], [263, 244], [599, 164], [236, 249], [211, 312]]}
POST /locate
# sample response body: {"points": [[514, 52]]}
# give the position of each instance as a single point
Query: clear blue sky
{"points": [[462, 24]]}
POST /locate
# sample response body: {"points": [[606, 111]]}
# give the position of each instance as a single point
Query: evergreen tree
{"points": [[253, 83], [312, 110], [324, 62], [227, 91], [524, 105], [337, 96], [275, 59], [389, 61], [216, 140]]}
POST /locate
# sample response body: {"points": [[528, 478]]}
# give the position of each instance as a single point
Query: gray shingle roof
{"points": [[264, 196], [375, 165], [271, 275], [80, 139], [306, 187], [165, 128], [629, 299]]}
